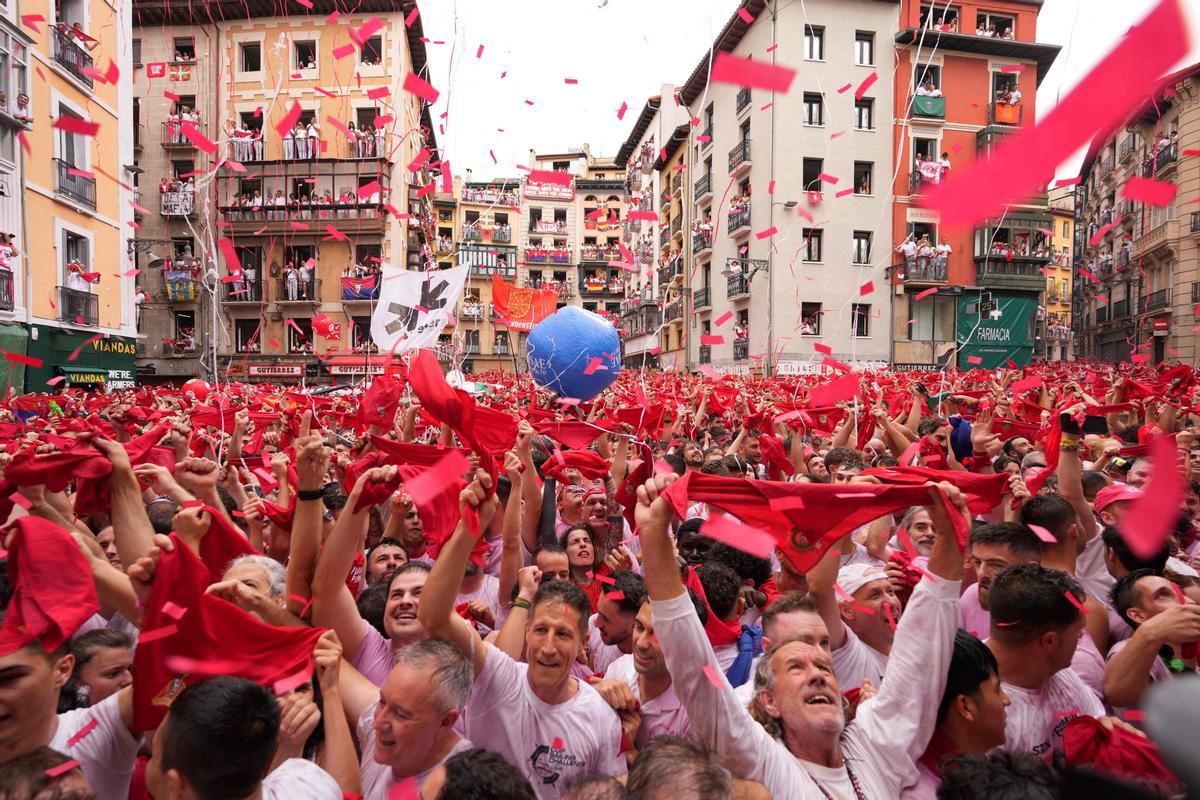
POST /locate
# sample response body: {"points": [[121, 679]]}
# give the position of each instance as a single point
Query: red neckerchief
{"points": [[940, 748]]}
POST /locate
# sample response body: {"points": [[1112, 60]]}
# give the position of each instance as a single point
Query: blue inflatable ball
{"points": [[563, 349]]}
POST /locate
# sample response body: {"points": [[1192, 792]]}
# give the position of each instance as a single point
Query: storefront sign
{"points": [[121, 379], [1162, 326], [355, 369], [909, 367], [923, 215], [991, 341], [276, 370], [815, 367]]}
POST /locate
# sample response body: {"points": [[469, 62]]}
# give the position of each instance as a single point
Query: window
{"points": [[72, 148], [305, 53], [939, 17], [708, 120], [137, 51], [300, 336], [745, 132], [246, 335], [360, 333], [185, 48], [810, 319], [187, 101], [862, 247], [472, 217], [864, 48], [183, 246], [812, 244], [562, 166], [372, 52], [995, 26], [185, 324], [560, 215], [613, 308], [860, 319], [183, 170], [864, 114], [75, 248], [250, 121], [814, 43], [863, 175], [932, 318], [814, 109], [928, 72], [250, 56], [813, 167], [1066, 230]]}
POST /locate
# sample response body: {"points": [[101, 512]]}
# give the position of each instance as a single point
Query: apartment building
{"points": [[790, 198], [306, 191], [654, 312], [1055, 342], [555, 229], [70, 284], [487, 214], [966, 77], [1138, 266]]}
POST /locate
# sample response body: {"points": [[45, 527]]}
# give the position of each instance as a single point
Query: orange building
{"points": [[966, 76]]}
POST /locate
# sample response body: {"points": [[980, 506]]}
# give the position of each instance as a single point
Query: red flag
{"points": [[521, 309]]}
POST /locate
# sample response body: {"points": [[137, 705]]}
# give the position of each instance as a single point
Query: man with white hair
{"points": [[860, 610], [406, 727], [256, 584]]}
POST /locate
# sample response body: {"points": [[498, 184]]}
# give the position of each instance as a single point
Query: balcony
{"points": [[741, 349], [598, 253], [177, 204], [244, 291], [1106, 165], [472, 234], [1005, 114], [181, 285], [73, 186], [664, 236], [488, 270], [173, 137], [593, 286], [74, 58], [739, 219], [1128, 147], [739, 158], [7, 298], [1165, 157], [293, 290], [928, 107], [670, 272], [490, 196], [701, 299], [1120, 309], [676, 225], [502, 234], [919, 269], [548, 226], [78, 307], [701, 243], [348, 218], [674, 311], [181, 347], [541, 255], [1022, 273], [706, 354], [1159, 299], [743, 99], [702, 190], [737, 286]]}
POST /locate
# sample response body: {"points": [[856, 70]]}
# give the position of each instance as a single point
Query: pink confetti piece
{"points": [[16, 497], [31, 20], [412, 17], [827, 178], [835, 390], [728, 68], [1043, 534], [845, 88], [1076, 602], [285, 125], [360, 35], [711, 339], [479, 52], [926, 293], [728, 315], [414, 84], [713, 677], [555, 178], [976, 360], [146, 637], [82, 733], [1149, 191], [75, 125], [62, 768], [571, 81], [866, 288], [746, 16], [771, 187], [748, 539], [285, 685], [173, 610], [75, 353], [341, 52], [639, 216], [844, 192], [1157, 511], [193, 135], [1013, 68], [368, 189], [1101, 233], [766, 234], [823, 349], [378, 92], [1099, 102], [833, 364], [593, 365], [229, 252], [24, 143]]}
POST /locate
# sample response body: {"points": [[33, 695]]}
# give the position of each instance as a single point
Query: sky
{"points": [[514, 96]]}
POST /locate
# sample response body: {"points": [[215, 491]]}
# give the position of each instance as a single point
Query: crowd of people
{"points": [[303, 141], [849, 585], [491, 196], [313, 204]]}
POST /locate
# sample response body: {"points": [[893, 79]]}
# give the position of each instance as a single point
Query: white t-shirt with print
{"points": [[1037, 717], [662, 716], [856, 661], [377, 779], [297, 779], [106, 754], [552, 745]]}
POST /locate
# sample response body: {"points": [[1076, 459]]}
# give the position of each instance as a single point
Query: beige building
{"points": [[314, 135], [790, 192], [1138, 265], [1055, 340]]}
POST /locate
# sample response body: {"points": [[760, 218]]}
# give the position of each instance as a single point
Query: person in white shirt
{"points": [[794, 617], [219, 738], [814, 754], [993, 548], [859, 632], [611, 628], [1035, 630], [553, 726], [406, 727], [1014, 95], [1163, 623], [908, 248]]}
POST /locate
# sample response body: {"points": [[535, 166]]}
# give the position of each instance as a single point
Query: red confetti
{"points": [[285, 125], [62, 768], [728, 68], [711, 339], [926, 293], [866, 84], [592, 366], [414, 84], [1149, 191], [728, 315], [845, 88], [1076, 602], [746, 16], [479, 52], [75, 353], [974, 360], [158, 633], [713, 677], [18, 358], [82, 732], [766, 234], [748, 539], [866, 288], [76, 125]]}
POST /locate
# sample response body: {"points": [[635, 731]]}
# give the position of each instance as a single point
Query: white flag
{"points": [[414, 307]]}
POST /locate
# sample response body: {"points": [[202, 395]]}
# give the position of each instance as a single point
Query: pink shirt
{"points": [[1037, 717], [374, 658], [106, 754], [662, 716], [974, 619]]}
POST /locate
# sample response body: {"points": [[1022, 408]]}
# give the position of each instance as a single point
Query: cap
{"points": [[853, 577], [1116, 493]]}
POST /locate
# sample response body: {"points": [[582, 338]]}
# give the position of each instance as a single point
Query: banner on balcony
{"points": [[359, 288], [156, 69], [181, 286], [521, 309], [990, 341], [181, 72], [414, 308]]}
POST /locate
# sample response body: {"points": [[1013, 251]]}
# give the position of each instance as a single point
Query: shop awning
{"points": [[82, 376]]}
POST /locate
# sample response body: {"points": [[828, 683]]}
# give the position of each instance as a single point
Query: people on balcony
{"points": [[1008, 95], [250, 279], [77, 278], [908, 249], [740, 332], [927, 89], [740, 202], [942, 252], [8, 252], [22, 112]]}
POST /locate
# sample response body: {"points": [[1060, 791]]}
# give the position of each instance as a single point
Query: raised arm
{"points": [[339, 759], [132, 530], [333, 605], [510, 553], [312, 462], [821, 579], [436, 612], [531, 495], [1070, 475]]}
